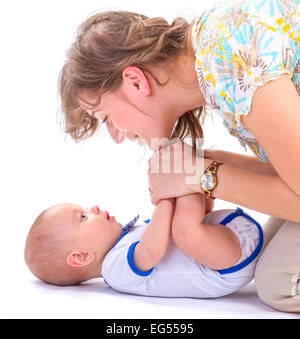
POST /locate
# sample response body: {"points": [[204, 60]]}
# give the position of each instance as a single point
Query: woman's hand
{"points": [[173, 171]]}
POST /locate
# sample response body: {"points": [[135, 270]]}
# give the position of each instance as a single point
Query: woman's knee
{"points": [[277, 275], [278, 290]]}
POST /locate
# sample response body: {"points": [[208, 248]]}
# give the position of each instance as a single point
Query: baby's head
{"points": [[66, 244]]}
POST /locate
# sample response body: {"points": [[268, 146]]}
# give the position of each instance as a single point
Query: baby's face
{"points": [[90, 229]]}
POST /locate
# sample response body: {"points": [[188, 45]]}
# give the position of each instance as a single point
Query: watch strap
{"points": [[212, 168]]}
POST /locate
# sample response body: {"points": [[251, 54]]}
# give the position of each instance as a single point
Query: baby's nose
{"points": [[95, 209]]}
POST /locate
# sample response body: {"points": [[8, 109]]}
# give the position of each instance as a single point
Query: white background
{"points": [[41, 167]]}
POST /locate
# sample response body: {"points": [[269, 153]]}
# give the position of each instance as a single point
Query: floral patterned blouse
{"points": [[240, 45]]}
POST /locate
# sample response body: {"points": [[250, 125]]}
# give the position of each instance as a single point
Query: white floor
{"points": [[34, 299]]}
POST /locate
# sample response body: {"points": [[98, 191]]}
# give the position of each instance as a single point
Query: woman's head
{"points": [[117, 69]]}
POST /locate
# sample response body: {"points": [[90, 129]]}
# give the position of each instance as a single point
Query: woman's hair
{"points": [[105, 44]]}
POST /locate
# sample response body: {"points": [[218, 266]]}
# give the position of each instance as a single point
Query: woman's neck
{"points": [[174, 91]]}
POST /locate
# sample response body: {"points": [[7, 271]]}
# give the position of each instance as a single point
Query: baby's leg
{"points": [[212, 245]]}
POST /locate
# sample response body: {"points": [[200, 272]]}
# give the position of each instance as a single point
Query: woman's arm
{"points": [[274, 120], [263, 193], [246, 162], [267, 194], [155, 239], [213, 246]]}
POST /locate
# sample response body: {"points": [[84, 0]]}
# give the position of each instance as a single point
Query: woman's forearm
{"points": [[242, 161], [260, 192]]}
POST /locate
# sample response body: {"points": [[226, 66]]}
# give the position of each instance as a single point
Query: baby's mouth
{"points": [[110, 218]]}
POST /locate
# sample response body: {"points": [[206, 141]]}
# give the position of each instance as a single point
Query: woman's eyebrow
{"points": [[91, 111], [88, 108]]}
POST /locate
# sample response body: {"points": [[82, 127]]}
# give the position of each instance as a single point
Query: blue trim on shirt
{"points": [[132, 264], [226, 220]]}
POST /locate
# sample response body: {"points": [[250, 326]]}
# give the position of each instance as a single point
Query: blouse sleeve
{"points": [[237, 52]]}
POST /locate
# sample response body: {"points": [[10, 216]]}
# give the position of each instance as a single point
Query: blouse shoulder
{"points": [[241, 45]]}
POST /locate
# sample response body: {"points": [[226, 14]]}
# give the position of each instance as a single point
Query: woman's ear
{"points": [[135, 79], [80, 258]]}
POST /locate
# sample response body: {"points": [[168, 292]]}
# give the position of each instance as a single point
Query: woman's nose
{"points": [[116, 135], [131, 136]]}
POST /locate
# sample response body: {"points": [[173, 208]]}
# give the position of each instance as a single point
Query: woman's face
{"points": [[128, 118]]}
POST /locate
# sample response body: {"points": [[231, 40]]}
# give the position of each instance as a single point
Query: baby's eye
{"points": [[83, 217]]}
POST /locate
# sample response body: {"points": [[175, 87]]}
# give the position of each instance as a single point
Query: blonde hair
{"points": [[105, 44], [46, 253]]}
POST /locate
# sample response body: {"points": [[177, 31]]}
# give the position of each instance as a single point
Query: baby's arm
{"points": [[214, 246], [209, 205], [155, 240]]}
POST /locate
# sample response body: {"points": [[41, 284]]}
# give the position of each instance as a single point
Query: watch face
{"points": [[207, 181]]}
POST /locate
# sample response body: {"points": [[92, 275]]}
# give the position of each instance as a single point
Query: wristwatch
{"points": [[208, 180]]}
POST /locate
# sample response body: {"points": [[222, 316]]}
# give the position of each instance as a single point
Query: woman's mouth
{"points": [[137, 138], [131, 136]]}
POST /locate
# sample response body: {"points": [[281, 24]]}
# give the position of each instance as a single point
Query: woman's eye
{"points": [[83, 217], [103, 121]]}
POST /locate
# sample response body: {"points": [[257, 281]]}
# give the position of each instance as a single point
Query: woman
{"points": [[141, 75]]}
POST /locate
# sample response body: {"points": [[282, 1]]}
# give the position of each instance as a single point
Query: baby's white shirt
{"points": [[179, 275]]}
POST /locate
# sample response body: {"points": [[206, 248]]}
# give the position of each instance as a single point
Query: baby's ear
{"points": [[80, 258]]}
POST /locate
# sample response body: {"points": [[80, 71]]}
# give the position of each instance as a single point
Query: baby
{"points": [[185, 250]]}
